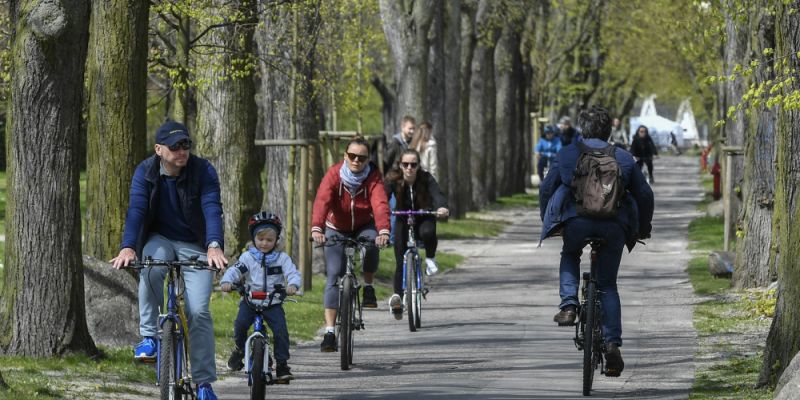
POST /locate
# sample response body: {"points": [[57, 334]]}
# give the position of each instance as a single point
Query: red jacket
{"points": [[336, 209]]}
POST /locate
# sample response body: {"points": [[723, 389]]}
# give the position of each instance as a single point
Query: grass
{"points": [[722, 323]]}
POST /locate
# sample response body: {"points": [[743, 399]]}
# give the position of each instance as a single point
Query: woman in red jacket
{"points": [[351, 202]]}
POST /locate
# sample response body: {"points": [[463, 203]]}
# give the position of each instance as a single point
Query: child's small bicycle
{"points": [[258, 365]]}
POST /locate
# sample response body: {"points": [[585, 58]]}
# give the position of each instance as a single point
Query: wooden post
{"points": [[303, 259], [727, 193]]}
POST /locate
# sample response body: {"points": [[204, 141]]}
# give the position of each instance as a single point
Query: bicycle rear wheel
{"points": [[346, 308], [257, 374], [589, 347], [411, 290], [168, 375], [418, 293]]}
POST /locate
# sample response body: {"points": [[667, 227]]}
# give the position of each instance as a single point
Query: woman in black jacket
{"points": [[415, 189], [644, 150]]}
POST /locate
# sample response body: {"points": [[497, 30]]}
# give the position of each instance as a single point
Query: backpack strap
{"points": [[608, 150]]}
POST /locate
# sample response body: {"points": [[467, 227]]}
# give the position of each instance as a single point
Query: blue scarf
{"points": [[353, 181], [271, 257]]}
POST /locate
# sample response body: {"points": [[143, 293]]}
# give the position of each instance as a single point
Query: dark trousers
{"points": [[424, 230], [275, 319], [543, 161], [575, 231], [649, 161]]}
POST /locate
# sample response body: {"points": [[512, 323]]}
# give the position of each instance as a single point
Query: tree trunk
{"points": [[507, 64], [42, 303], [783, 341], [464, 145], [226, 120], [481, 108], [274, 41], [406, 25], [437, 80], [448, 139], [117, 73], [736, 52], [754, 265]]}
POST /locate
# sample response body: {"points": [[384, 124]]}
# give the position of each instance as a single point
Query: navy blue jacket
{"points": [[198, 196], [556, 204]]}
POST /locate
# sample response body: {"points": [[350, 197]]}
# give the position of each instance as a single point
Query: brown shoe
{"points": [[566, 317], [614, 363]]}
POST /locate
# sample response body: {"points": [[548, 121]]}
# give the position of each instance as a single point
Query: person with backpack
{"points": [[594, 189]]}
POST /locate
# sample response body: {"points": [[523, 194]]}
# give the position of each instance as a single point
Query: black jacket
{"points": [[643, 147], [427, 194]]}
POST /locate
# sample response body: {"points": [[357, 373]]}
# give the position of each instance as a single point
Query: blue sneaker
{"points": [[145, 351], [204, 392]]}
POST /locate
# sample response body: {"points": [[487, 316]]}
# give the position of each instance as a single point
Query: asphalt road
{"points": [[488, 331]]}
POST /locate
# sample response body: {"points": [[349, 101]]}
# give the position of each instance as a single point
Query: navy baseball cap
{"points": [[171, 132]]}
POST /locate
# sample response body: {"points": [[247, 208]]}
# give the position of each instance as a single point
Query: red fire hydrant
{"points": [[715, 170]]}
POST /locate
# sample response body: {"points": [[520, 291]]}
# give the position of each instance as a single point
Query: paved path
{"points": [[488, 330]]}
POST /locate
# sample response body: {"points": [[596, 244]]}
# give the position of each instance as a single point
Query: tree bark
{"points": [[783, 341], [117, 74], [481, 107], [449, 133], [226, 120], [436, 93], [464, 145], [42, 303], [406, 25], [508, 64], [755, 258]]}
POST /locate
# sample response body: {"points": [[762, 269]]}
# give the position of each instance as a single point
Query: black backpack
{"points": [[597, 182]]}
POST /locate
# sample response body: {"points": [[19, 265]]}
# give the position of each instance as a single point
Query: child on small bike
{"points": [[263, 267]]}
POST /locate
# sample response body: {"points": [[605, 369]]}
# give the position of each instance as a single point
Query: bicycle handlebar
{"points": [[191, 263], [415, 212], [361, 241], [278, 290]]}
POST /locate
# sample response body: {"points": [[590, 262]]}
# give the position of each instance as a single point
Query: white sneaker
{"points": [[396, 306], [431, 267]]}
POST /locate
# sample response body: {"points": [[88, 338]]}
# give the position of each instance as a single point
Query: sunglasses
{"points": [[182, 145], [360, 157], [411, 165]]}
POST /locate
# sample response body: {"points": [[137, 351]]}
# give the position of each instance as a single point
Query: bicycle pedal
{"points": [[425, 293]]}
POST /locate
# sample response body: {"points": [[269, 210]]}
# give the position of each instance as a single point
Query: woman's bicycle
{"points": [[349, 317], [256, 351], [173, 372], [588, 332], [413, 281]]}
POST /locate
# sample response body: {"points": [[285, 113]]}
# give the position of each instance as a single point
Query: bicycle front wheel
{"points": [[168, 374], [411, 290], [346, 310], [589, 347], [257, 371]]}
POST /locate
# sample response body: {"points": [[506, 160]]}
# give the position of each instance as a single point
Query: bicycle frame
{"points": [[350, 254], [412, 249]]}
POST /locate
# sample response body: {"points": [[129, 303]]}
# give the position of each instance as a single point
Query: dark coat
{"points": [[557, 204], [427, 194], [198, 196], [643, 147]]}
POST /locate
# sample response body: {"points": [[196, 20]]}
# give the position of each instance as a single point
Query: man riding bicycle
{"points": [[414, 189], [632, 221], [350, 202], [175, 213]]}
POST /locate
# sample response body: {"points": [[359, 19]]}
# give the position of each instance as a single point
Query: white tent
{"points": [[687, 122], [658, 126]]}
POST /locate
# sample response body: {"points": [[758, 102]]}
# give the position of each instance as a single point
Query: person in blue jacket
{"points": [[175, 213], [546, 149], [559, 215]]}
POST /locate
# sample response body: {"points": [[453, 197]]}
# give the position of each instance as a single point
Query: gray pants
{"points": [[335, 262], [197, 296]]}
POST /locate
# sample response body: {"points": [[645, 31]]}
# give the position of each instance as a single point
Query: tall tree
{"points": [[783, 341], [406, 25], [116, 73], [467, 15], [448, 133], [43, 263], [226, 118], [482, 106], [755, 254]]}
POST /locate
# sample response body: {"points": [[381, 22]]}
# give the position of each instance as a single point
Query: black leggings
{"points": [[649, 162], [425, 230]]}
